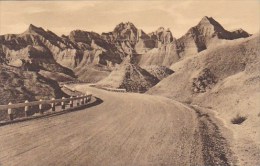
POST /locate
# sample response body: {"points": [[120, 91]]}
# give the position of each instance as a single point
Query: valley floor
{"points": [[125, 129]]}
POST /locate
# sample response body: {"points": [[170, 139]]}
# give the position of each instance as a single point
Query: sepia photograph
{"points": [[130, 83]]}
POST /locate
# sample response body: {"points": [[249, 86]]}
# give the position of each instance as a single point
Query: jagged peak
{"points": [[160, 29], [206, 18], [239, 30], [83, 33], [33, 28], [206, 21], [125, 25]]}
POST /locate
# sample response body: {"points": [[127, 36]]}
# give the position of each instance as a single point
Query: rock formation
{"points": [[129, 76], [159, 72], [91, 57], [197, 39]]}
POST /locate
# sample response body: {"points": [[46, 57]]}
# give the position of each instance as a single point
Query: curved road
{"points": [[125, 129]]}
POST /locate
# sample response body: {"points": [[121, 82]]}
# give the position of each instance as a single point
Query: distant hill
{"points": [[91, 57], [198, 38]]}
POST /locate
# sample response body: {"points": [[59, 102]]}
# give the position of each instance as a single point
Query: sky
{"points": [[61, 17]]}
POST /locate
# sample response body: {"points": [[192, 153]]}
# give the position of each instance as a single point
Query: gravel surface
{"points": [[123, 129]]}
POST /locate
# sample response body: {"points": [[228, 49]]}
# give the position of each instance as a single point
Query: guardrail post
{"points": [[10, 112], [86, 98], [63, 104], [71, 101], [26, 109], [78, 101], [40, 107], [53, 105], [82, 100]]}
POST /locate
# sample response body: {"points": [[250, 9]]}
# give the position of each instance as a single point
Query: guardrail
{"points": [[80, 100], [115, 90], [110, 89], [69, 88], [74, 82]]}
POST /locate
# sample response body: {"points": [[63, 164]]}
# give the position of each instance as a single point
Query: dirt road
{"points": [[125, 129]]}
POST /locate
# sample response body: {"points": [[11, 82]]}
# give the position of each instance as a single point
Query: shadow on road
{"points": [[49, 114]]}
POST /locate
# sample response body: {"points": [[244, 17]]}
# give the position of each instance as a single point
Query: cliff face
{"points": [[162, 36], [104, 52], [84, 54], [38, 48], [129, 39], [17, 86], [34, 49], [198, 38]]}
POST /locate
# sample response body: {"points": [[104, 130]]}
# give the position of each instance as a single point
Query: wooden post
{"points": [[71, 101], [53, 105], [10, 112], [26, 109], [86, 99], [63, 104], [89, 98], [78, 101], [82, 100], [40, 108]]}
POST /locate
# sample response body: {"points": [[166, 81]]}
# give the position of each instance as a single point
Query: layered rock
{"points": [[162, 36], [130, 39], [198, 38], [18, 86], [104, 52], [34, 49], [87, 54], [125, 31], [130, 77], [159, 72], [37, 49]]}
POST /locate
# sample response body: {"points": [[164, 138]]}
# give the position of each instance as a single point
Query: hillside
{"points": [[225, 79], [38, 49], [198, 38], [16, 86], [159, 72], [129, 76]]}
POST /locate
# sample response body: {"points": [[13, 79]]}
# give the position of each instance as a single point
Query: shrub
{"points": [[238, 119]]}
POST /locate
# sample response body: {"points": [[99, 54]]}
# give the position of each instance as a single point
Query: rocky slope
{"points": [[33, 50], [37, 48], [225, 79], [197, 39], [16, 86], [129, 76], [129, 39], [159, 72]]}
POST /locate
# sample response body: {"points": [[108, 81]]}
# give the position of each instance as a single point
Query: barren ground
{"points": [[125, 129]]}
